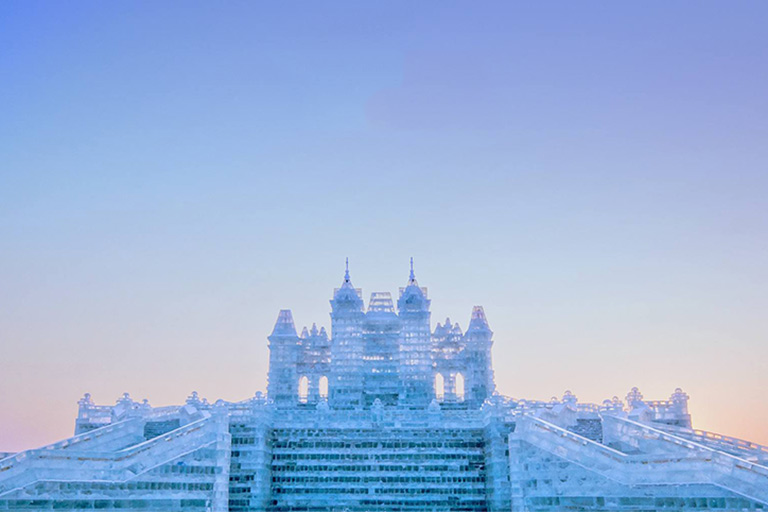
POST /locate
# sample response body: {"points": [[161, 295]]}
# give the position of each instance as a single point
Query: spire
{"points": [[413, 297], [347, 293]]}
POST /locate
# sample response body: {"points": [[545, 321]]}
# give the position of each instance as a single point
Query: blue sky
{"points": [[173, 174]]}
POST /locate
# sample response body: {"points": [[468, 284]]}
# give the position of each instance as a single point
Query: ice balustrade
{"points": [[377, 417], [91, 416], [16, 464], [674, 408], [95, 413], [517, 408], [730, 443], [753, 452], [50, 463], [699, 465], [126, 432], [723, 469]]}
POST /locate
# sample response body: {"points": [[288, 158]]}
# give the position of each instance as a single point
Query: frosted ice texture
{"points": [[387, 414]]}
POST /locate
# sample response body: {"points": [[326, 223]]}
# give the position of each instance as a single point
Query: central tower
{"points": [[381, 333], [415, 345], [346, 383]]}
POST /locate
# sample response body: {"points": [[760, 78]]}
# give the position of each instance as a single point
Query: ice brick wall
{"points": [[319, 469]]}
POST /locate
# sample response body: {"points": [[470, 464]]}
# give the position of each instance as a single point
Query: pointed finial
{"points": [[346, 272], [413, 276]]}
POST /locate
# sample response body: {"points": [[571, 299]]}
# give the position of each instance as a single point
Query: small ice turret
{"points": [[478, 340], [284, 347]]}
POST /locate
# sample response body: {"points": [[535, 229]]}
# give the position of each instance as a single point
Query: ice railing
{"points": [[518, 408], [97, 434], [673, 408], [576, 439], [76, 441], [89, 413], [95, 412], [159, 413], [665, 408], [260, 407], [102, 414], [701, 464], [729, 471], [374, 418], [659, 404], [724, 442], [73, 465]]}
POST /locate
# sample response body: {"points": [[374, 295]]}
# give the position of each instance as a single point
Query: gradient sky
{"points": [[595, 174]]}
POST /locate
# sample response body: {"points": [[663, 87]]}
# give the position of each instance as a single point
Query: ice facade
{"points": [[385, 413]]}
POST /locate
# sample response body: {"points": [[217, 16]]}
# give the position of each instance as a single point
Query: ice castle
{"points": [[385, 413]]}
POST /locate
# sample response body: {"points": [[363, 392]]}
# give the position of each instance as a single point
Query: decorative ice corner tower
{"points": [[282, 387], [478, 341]]}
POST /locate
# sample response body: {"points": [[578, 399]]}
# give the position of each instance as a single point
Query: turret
{"points": [[415, 345], [478, 339], [346, 382], [284, 347]]}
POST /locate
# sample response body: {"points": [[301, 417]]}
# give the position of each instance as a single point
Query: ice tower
{"points": [[479, 383], [416, 370], [346, 380], [283, 382]]}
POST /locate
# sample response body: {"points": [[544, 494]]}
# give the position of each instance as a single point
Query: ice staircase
{"points": [[114, 453], [658, 457]]}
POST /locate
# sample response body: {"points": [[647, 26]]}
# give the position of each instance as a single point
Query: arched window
{"points": [[459, 387], [303, 389], [439, 387], [323, 387]]}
